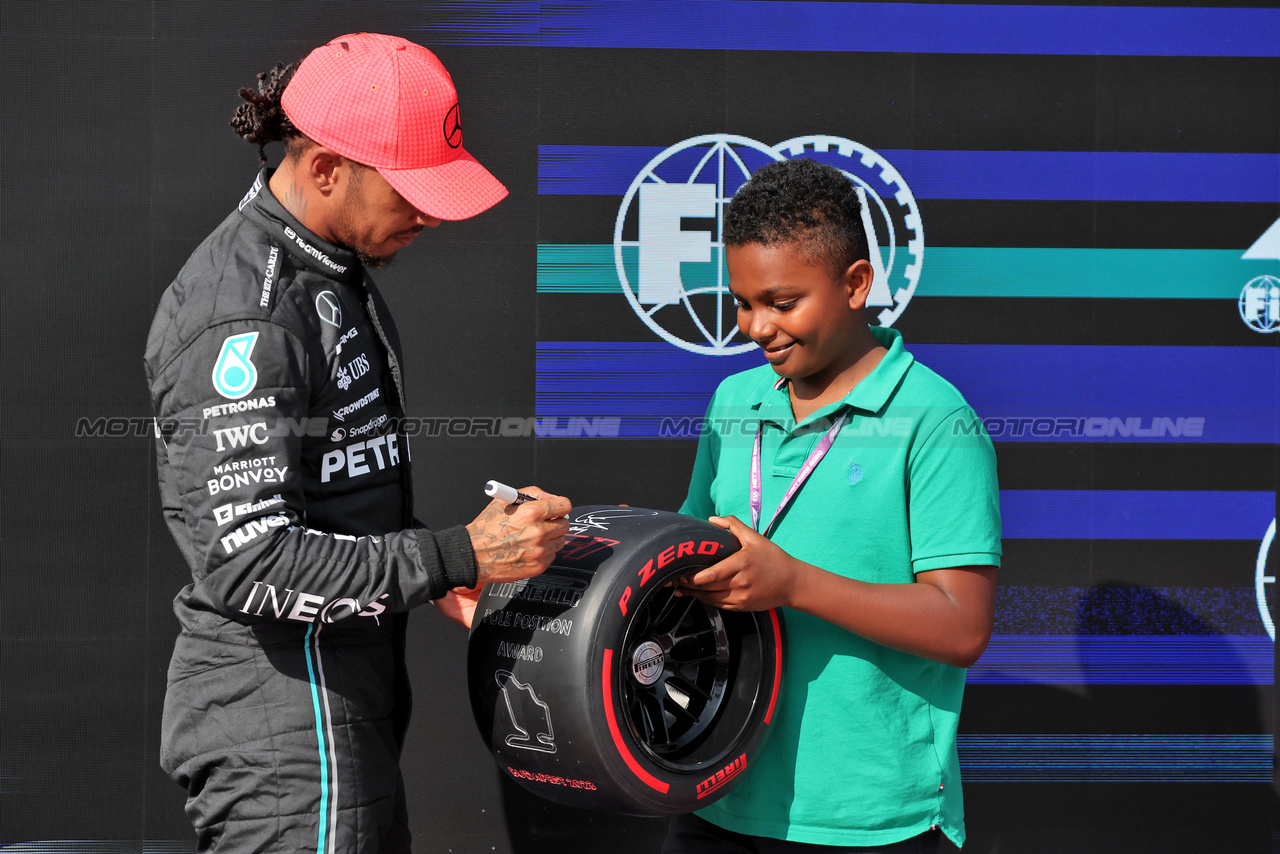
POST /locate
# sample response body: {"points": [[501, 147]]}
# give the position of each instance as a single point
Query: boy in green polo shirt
{"points": [[863, 490]]}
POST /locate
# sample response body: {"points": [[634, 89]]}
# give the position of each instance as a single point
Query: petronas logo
{"points": [[234, 375]]}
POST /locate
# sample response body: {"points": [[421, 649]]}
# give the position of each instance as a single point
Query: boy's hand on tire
{"points": [[758, 577]]}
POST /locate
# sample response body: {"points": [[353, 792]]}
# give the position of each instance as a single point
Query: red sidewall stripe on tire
{"points": [[777, 663], [648, 779]]}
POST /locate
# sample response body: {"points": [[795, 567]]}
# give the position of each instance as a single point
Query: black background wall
{"points": [[119, 160]]}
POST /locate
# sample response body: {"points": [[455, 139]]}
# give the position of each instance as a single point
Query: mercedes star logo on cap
{"points": [[453, 127]]}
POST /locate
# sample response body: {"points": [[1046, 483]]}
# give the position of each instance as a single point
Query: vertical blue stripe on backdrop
{"points": [[1125, 660], [1079, 392], [1080, 514], [1120, 758], [879, 27], [1120, 176]]}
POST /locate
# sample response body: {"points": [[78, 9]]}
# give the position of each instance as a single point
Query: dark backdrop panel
{"points": [[120, 162]]}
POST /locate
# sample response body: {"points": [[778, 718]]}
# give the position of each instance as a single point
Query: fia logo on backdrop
{"points": [[667, 243], [1259, 301], [1259, 304]]}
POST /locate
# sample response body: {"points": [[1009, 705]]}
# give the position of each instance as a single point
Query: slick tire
{"points": [[595, 686]]}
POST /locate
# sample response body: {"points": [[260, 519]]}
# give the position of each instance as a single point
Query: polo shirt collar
{"points": [[875, 389], [869, 395]]}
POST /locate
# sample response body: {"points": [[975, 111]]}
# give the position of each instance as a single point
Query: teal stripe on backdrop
{"points": [[1088, 273], [579, 268], [954, 271]]}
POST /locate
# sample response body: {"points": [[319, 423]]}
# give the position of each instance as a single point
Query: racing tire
{"points": [[595, 686]]}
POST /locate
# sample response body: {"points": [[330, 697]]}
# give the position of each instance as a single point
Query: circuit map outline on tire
{"points": [[595, 686]]}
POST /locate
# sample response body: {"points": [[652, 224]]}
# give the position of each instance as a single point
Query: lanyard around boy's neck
{"points": [[815, 457]]}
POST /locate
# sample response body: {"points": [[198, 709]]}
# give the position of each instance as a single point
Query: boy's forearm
{"points": [[945, 616]]}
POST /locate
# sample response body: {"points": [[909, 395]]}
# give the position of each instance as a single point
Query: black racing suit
{"points": [[274, 372]]}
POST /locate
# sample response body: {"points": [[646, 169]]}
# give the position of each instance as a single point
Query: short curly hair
{"points": [[803, 202]]}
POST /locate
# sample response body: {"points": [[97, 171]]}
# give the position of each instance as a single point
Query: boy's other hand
{"points": [[459, 604], [514, 541], [757, 577]]}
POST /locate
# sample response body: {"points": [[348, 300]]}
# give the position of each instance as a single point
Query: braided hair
{"points": [[811, 205], [261, 119]]}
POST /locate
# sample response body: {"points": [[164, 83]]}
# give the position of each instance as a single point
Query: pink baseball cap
{"points": [[388, 103]]}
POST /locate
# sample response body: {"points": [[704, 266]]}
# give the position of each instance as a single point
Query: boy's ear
{"points": [[857, 280]]}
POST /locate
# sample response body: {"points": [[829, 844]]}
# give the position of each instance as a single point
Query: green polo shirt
{"points": [[863, 748]]}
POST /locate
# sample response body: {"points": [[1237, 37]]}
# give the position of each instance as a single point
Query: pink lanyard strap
{"points": [[810, 464]]}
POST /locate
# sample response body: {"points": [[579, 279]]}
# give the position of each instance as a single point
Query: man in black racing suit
{"points": [[275, 375]]}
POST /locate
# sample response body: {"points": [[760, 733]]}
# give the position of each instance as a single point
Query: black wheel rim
{"points": [[677, 655]]}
